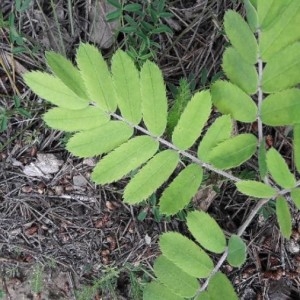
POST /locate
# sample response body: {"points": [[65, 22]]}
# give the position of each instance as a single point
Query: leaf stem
{"points": [[213, 272], [260, 95], [183, 153]]}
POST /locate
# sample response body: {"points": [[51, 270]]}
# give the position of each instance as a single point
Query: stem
{"points": [[183, 153], [260, 96], [259, 104]]}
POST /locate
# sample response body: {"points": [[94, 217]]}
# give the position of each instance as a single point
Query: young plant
{"points": [[6, 114], [141, 23], [122, 114], [106, 284], [36, 281]]}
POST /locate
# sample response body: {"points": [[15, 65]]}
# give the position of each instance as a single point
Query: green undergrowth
{"points": [[141, 24], [121, 114], [107, 284]]}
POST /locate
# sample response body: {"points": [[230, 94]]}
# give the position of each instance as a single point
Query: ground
{"points": [[61, 236]]}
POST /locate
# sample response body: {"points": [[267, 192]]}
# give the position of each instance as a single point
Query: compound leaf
{"points": [[220, 285], [127, 84], [179, 282], [178, 194], [234, 151], [124, 159], [269, 11], [54, 90], [192, 120], [185, 254], [237, 251], [255, 189], [239, 72], [99, 140], [281, 108], [67, 73], [218, 132], [241, 36], [151, 176], [96, 77], [282, 32], [282, 70], [296, 144], [157, 291], [206, 231], [284, 217], [75, 120], [154, 100], [279, 170], [295, 194], [229, 99]]}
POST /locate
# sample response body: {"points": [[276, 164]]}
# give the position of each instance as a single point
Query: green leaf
{"points": [[295, 194], [154, 100], [254, 3], [282, 108], [3, 124], [179, 282], [162, 28], [239, 72], [282, 70], [96, 77], [284, 217], [218, 132], [127, 84], [206, 231], [220, 285], [128, 29], [255, 189], [241, 36], [192, 120], [67, 73], [75, 120], [269, 11], [262, 160], [204, 296], [124, 159], [99, 140], [133, 7], [229, 99], [115, 3], [279, 170], [178, 194], [296, 144], [151, 176], [185, 254], [53, 90], [157, 291], [234, 151], [282, 32], [237, 251], [252, 16], [114, 15]]}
